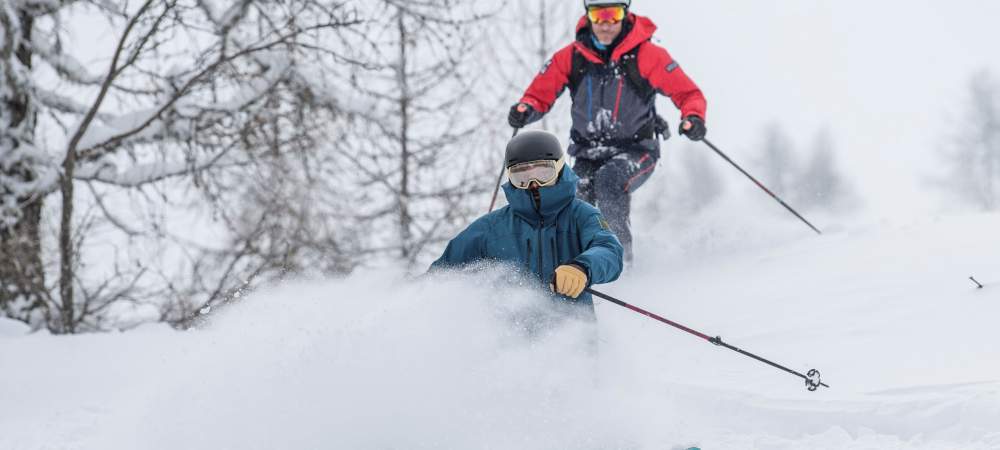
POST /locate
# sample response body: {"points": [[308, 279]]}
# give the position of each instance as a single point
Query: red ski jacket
{"points": [[608, 107]]}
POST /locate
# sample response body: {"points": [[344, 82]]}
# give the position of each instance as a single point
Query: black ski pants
{"points": [[609, 183]]}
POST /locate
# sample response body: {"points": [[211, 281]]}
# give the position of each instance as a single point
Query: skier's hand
{"points": [[519, 115], [661, 127], [570, 280], [694, 128]]}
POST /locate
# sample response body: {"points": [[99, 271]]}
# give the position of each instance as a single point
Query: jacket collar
{"points": [[554, 199], [638, 29]]}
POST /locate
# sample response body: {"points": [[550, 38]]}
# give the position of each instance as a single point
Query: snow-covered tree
{"points": [[821, 183], [215, 146], [209, 93], [702, 184], [972, 161], [777, 160], [417, 154], [23, 289]]}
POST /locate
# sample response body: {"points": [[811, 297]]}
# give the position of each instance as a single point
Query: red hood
{"points": [[642, 31]]}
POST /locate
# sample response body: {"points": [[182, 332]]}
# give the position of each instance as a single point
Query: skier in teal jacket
{"points": [[545, 229]]}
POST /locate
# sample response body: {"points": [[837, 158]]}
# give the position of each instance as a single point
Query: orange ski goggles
{"points": [[606, 14]]}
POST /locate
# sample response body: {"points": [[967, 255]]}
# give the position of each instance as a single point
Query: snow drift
{"points": [[886, 312]]}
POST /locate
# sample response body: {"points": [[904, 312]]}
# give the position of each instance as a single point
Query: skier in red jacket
{"points": [[613, 73]]}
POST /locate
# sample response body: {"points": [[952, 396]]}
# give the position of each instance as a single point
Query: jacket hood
{"points": [[554, 198], [641, 30]]}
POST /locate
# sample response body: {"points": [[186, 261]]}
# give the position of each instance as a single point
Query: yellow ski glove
{"points": [[570, 281]]}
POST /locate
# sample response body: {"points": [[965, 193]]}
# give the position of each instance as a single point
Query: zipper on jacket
{"points": [[618, 99], [527, 259], [590, 98], [555, 253], [537, 197], [541, 250]]}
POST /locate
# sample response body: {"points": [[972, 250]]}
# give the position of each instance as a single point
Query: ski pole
{"points": [[812, 379], [758, 183], [503, 167]]}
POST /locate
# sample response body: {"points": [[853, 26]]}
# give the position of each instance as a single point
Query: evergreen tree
{"points": [[777, 161], [972, 162], [821, 184], [702, 183]]}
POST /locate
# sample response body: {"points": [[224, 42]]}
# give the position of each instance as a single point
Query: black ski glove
{"points": [[661, 128], [697, 131], [519, 115]]}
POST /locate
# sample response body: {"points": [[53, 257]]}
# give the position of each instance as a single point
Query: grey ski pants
{"points": [[608, 184]]}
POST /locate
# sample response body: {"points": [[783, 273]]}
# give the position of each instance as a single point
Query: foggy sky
{"points": [[887, 77]]}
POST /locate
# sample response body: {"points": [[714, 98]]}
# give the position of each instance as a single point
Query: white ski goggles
{"points": [[544, 172]]}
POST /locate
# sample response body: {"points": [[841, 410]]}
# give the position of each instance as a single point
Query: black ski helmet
{"points": [[534, 145], [588, 3]]}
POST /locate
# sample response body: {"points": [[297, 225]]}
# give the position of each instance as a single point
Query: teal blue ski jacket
{"points": [[563, 230]]}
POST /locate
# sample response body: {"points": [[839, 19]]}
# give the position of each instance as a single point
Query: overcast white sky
{"points": [[887, 77]]}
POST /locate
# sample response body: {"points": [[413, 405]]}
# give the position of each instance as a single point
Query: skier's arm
{"points": [[549, 84], [468, 247], [667, 77], [602, 252]]}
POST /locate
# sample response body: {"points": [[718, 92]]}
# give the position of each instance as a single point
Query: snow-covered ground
{"points": [[885, 310]]}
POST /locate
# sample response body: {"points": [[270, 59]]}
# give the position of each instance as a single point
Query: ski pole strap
{"points": [[813, 379]]}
